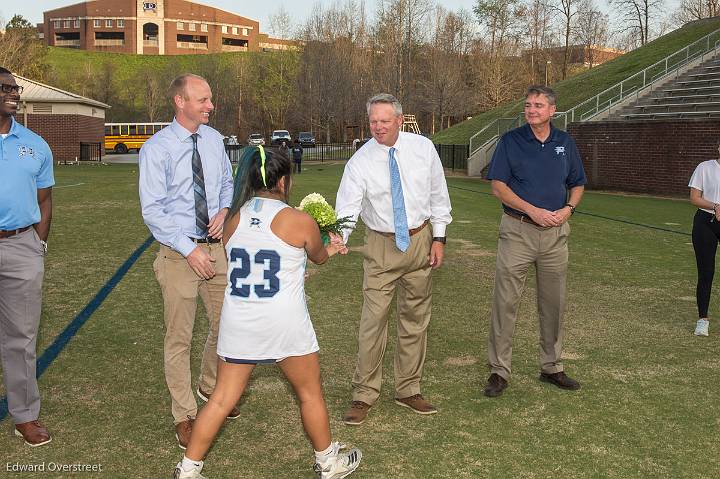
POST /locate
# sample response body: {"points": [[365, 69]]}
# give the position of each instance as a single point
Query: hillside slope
{"points": [[586, 85]]}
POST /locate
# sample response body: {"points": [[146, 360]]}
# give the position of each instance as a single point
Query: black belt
{"points": [[9, 233], [208, 240]]}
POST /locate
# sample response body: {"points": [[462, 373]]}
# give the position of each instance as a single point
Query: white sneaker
{"points": [[339, 465], [194, 473], [701, 329]]}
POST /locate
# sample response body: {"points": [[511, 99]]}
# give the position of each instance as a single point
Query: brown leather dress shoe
{"points": [[234, 412], [417, 403], [495, 386], [34, 433], [356, 413], [183, 430], [560, 380]]}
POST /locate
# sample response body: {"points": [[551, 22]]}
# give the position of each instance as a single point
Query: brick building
{"points": [[65, 120], [162, 27]]}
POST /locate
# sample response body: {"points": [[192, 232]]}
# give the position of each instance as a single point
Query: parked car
{"points": [[256, 139], [278, 136], [306, 139]]}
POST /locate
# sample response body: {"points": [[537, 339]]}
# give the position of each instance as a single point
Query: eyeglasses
{"points": [[11, 88]]}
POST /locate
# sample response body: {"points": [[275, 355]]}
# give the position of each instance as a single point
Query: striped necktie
{"points": [[201, 209], [402, 235]]}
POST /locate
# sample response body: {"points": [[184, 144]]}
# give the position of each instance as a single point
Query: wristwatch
{"points": [[572, 208], [440, 239], [44, 245]]}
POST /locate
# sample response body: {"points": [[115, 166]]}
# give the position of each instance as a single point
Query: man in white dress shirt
{"points": [[396, 184]]}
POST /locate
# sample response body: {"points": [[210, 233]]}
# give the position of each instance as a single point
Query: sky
{"points": [[255, 9]]}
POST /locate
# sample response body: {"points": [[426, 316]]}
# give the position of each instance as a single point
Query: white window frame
{"points": [[66, 24], [224, 28], [97, 23], [203, 27], [108, 23], [56, 24], [235, 30], [121, 23], [76, 23], [192, 27], [180, 26], [245, 32]]}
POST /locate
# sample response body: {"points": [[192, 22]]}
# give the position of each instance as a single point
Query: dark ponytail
{"points": [[249, 180]]}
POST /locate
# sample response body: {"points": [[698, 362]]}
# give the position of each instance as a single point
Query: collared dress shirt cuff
{"points": [[439, 229], [185, 246]]}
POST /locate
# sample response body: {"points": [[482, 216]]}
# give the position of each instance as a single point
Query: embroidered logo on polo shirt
{"points": [[559, 149], [25, 150]]}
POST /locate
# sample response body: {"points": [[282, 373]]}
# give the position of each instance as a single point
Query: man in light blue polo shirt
{"points": [[26, 180], [538, 175]]}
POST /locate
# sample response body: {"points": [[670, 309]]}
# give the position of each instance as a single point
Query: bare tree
{"points": [[499, 18], [281, 24], [535, 17], [591, 29], [444, 89], [636, 16], [568, 11], [690, 10]]}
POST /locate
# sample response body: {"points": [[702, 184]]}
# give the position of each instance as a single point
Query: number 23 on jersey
{"points": [[267, 259]]}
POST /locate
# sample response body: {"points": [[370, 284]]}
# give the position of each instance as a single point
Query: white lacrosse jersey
{"points": [[264, 315]]}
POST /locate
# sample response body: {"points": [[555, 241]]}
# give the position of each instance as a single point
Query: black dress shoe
{"points": [[495, 386], [560, 380]]}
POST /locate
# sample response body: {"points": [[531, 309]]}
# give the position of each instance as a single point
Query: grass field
{"points": [[648, 407]]}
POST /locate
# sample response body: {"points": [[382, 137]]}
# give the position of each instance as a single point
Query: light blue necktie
{"points": [[402, 235]]}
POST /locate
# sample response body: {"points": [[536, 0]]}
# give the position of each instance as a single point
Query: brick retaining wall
{"points": [[655, 157]]}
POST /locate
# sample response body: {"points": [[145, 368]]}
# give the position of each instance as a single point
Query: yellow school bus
{"points": [[121, 137]]}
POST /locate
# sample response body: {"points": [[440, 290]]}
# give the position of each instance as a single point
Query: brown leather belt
{"points": [[9, 233], [523, 219], [412, 232]]}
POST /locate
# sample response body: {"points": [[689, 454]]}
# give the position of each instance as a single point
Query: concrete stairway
{"points": [[693, 94]]}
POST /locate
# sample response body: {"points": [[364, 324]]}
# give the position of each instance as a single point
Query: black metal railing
{"points": [[329, 152], [234, 152], [90, 152], [454, 157]]}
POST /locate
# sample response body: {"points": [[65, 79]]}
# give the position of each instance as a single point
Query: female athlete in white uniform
{"points": [[264, 317]]}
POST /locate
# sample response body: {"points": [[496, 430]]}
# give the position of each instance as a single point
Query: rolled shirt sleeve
{"points": [[439, 197], [226, 186], [348, 201]]}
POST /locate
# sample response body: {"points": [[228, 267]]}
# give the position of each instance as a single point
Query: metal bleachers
{"points": [[694, 94]]}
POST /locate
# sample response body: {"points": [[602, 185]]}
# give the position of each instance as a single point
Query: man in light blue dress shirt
{"points": [[185, 193]]}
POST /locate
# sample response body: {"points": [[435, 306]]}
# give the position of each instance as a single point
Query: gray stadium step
{"points": [[697, 83], [679, 107], [689, 98], [679, 115], [691, 90]]}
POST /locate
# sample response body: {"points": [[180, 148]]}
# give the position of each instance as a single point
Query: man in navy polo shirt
{"points": [[538, 176], [26, 180]]}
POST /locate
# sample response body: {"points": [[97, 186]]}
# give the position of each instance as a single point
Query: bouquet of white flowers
{"points": [[324, 215]]}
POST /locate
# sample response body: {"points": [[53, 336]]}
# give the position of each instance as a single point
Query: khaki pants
{"points": [[180, 287], [386, 270], [520, 245]]}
